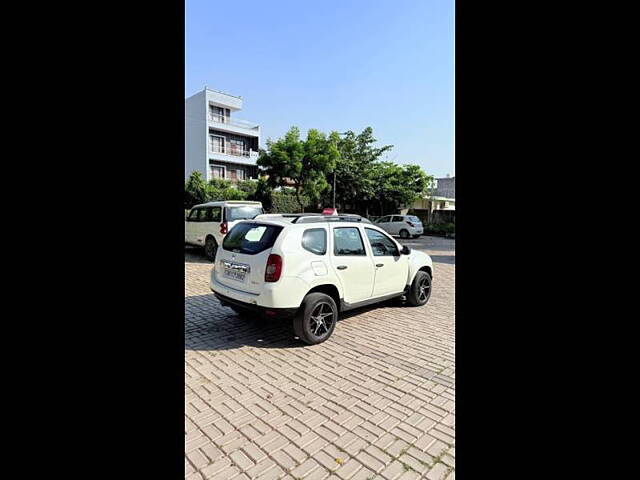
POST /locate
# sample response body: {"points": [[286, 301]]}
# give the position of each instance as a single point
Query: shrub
{"points": [[195, 190], [285, 203], [440, 228]]}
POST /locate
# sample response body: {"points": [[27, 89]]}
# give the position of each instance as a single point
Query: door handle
{"points": [[341, 267], [379, 265]]}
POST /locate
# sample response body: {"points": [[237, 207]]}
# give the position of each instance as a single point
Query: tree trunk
{"points": [[298, 199]]}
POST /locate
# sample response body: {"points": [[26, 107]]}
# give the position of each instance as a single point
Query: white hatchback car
{"points": [[208, 223], [313, 267], [404, 225]]}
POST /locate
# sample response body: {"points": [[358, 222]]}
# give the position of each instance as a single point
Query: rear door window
{"points": [[251, 238], [347, 241], [315, 240]]}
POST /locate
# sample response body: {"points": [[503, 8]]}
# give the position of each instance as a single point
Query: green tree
{"points": [[302, 163], [249, 187], [195, 190], [398, 185], [354, 168]]}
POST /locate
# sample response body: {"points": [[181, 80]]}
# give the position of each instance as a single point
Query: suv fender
{"points": [[325, 284], [418, 261]]}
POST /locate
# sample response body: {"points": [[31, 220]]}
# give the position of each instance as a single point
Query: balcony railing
{"points": [[232, 121], [233, 150]]}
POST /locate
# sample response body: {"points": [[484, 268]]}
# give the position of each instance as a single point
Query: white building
{"points": [[217, 144], [441, 198]]}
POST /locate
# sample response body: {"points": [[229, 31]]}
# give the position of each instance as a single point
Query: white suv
{"points": [[208, 223], [404, 225], [312, 267]]}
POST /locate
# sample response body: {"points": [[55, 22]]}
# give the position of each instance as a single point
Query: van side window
{"points": [[213, 214], [314, 240], [194, 214]]}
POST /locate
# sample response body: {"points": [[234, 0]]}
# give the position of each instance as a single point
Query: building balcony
{"points": [[222, 122], [230, 153]]}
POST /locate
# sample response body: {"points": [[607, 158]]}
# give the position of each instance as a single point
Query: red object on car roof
{"points": [[330, 211]]}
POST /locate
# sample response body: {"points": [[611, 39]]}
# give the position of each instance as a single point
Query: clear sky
{"points": [[334, 65]]}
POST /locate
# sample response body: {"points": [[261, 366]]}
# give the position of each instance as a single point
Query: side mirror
{"points": [[405, 250]]}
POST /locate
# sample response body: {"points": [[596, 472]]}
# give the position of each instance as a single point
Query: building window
{"points": [[217, 171], [217, 143], [236, 174], [236, 147], [217, 113]]}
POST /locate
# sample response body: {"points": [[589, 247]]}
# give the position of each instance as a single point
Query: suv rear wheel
{"points": [[420, 290], [316, 319], [210, 248], [404, 233]]}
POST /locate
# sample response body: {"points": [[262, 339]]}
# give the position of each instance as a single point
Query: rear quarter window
{"points": [[251, 238], [314, 240]]}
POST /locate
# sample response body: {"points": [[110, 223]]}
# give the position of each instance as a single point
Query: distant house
{"points": [[217, 144], [441, 198]]}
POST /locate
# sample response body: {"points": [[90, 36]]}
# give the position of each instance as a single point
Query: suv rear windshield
{"points": [[246, 212], [413, 218], [251, 238]]}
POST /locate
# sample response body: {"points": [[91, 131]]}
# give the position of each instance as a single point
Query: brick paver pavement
{"points": [[376, 400]]}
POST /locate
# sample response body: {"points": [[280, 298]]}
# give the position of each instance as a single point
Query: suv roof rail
{"points": [[318, 218]]}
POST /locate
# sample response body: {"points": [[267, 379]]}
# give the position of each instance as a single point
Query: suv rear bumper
{"points": [[266, 311]]}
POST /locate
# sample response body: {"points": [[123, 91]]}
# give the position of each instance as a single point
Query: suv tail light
{"points": [[223, 227], [274, 268], [410, 224]]}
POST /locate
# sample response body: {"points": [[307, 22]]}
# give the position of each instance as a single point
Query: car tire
{"points": [[210, 248], [404, 233], [420, 290], [315, 305]]}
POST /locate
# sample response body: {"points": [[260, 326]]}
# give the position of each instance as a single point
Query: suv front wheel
{"points": [[316, 319], [420, 290]]}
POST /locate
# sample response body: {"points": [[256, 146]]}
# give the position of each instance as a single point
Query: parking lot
{"points": [[375, 401]]}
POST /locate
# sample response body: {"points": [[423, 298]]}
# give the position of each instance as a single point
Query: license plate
{"points": [[234, 274]]}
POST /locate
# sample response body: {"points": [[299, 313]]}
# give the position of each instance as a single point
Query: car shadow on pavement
{"points": [[209, 326], [450, 259], [195, 255]]}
